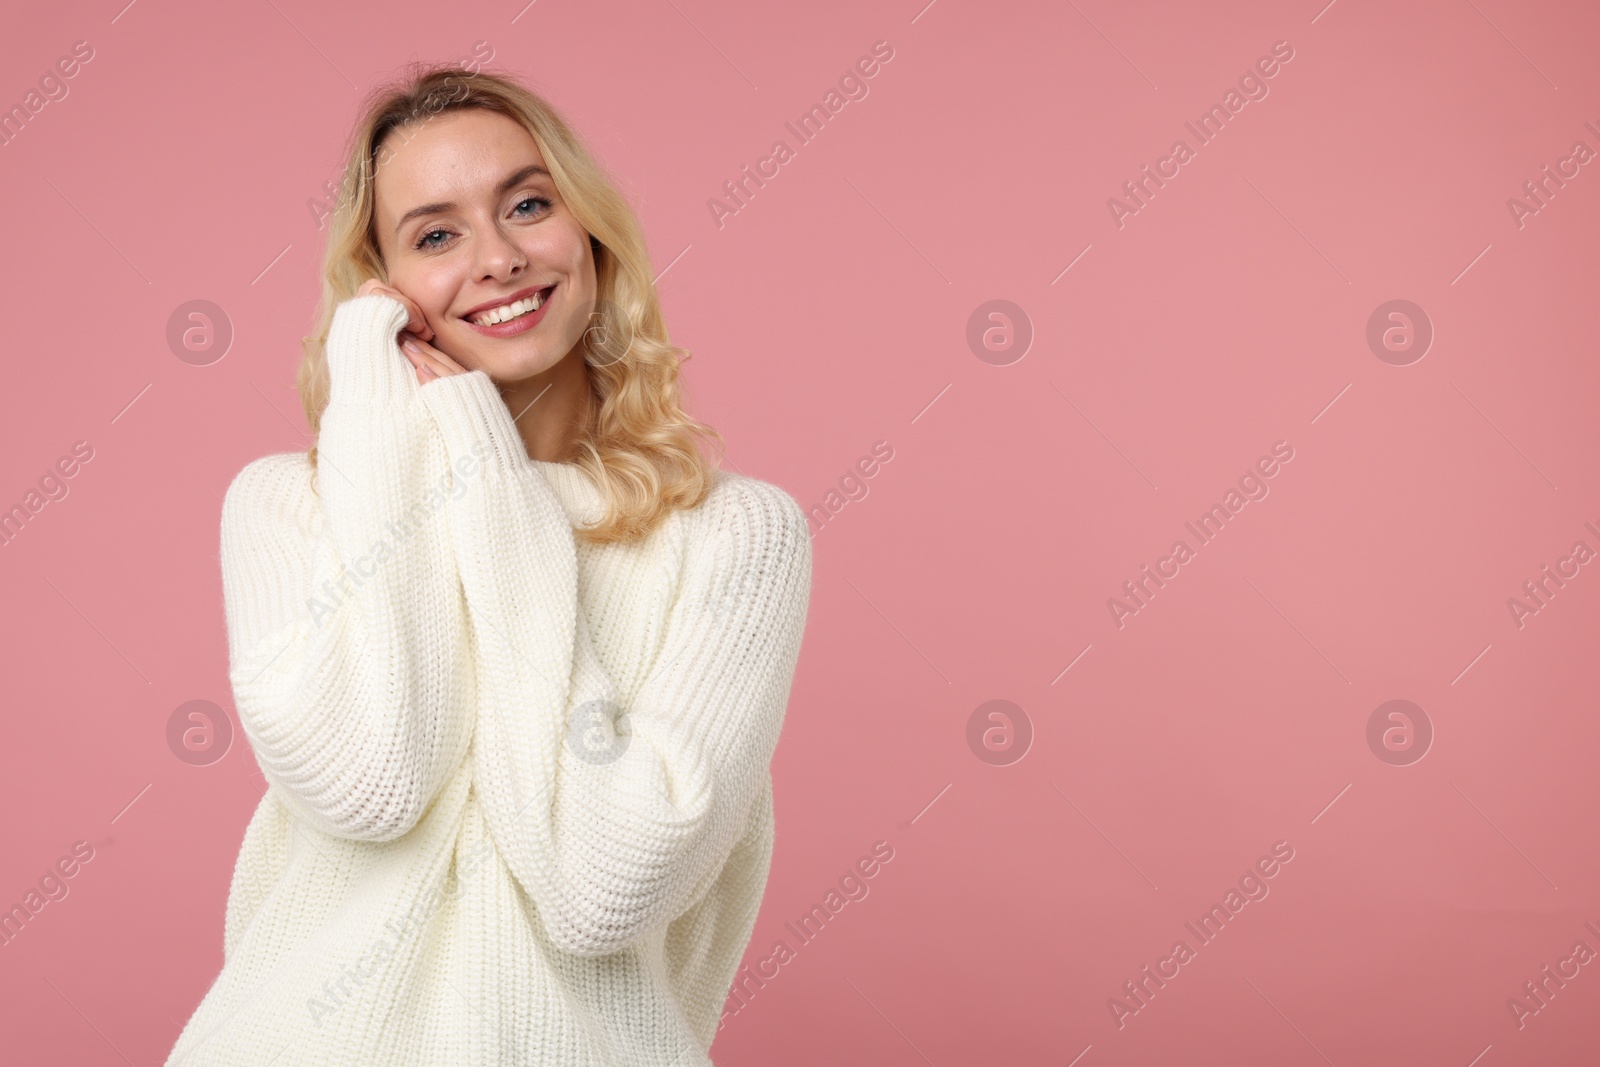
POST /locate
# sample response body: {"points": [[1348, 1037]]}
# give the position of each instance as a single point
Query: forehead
{"points": [[459, 156]]}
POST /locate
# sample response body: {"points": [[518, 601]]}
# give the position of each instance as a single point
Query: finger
{"points": [[416, 367], [441, 363], [418, 323], [426, 355], [450, 365], [418, 339]]}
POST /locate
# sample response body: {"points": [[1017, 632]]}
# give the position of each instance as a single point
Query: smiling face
{"points": [[471, 227]]}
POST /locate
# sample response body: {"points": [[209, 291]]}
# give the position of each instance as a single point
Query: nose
{"points": [[498, 257]]}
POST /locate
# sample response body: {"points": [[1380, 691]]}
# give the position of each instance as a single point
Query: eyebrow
{"points": [[449, 205]]}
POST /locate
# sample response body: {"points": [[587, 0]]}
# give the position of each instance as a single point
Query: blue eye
{"points": [[426, 243], [422, 242]]}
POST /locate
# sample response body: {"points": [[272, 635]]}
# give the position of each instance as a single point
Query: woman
{"points": [[512, 656]]}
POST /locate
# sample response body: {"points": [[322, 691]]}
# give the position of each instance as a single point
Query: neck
{"points": [[552, 409]]}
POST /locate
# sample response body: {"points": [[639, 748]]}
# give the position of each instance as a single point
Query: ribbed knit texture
{"points": [[519, 805]]}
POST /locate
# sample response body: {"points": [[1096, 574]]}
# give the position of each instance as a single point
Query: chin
{"points": [[516, 368]]}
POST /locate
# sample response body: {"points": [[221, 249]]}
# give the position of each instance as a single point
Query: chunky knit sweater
{"points": [[519, 804]]}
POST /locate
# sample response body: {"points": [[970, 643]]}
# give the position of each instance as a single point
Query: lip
{"points": [[520, 294], [517, 325]]}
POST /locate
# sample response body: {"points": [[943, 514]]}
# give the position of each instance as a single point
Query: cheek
{"points": [[432, 284], [566, 249]]}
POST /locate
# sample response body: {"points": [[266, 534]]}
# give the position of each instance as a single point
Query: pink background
{"points": [[831, 313]]}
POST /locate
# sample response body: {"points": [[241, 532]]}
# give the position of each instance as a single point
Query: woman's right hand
{"points": [[417, 323]]}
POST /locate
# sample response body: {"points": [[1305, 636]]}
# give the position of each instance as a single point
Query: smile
{"points": [[517, 317], [508, 312]]}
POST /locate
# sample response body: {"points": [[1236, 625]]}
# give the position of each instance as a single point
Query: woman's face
{"points": [[467, 220]]}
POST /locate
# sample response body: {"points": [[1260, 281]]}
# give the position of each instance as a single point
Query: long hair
{"points": [[640, 447]]}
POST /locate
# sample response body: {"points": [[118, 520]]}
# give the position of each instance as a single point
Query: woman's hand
{"points": [[429, 362]]}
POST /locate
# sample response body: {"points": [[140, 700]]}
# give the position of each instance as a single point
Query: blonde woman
{"points": [[512, 656]]}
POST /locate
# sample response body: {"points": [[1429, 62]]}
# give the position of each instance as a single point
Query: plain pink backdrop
{"points": [[831, 313]]}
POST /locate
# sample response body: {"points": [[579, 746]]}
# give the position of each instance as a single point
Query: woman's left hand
{"points": [[429, 362]]}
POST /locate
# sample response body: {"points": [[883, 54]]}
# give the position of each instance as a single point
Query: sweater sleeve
{"points": [[615, 820], [347, 636]]}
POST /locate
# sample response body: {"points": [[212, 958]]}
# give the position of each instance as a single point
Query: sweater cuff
{"points": [[473, 418], [364, 359]]}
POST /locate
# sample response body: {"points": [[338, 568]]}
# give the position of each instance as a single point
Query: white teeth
{"points": [[506, 312]]}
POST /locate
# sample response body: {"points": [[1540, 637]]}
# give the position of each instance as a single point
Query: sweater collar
{"points": [[579, 495]]}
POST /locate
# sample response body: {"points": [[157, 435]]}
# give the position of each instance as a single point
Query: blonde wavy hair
{"points": [[640, 447]]}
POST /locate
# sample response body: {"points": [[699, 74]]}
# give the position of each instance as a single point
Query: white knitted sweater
{"points": [[519, 805]]}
